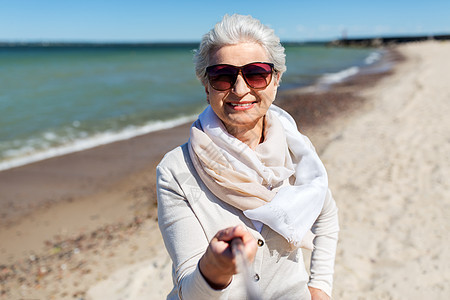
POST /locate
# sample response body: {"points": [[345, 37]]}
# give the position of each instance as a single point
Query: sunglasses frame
{"points": [[239, 69]]}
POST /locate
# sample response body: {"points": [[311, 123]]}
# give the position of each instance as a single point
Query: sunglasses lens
{"points": [[222, 77], [258, 75]]}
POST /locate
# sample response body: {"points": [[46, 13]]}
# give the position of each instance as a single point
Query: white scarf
{"points": [[250, 179]]}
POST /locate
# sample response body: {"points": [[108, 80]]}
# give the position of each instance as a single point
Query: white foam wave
{"points": [[331, 78], [19, 159], [372, 58]]}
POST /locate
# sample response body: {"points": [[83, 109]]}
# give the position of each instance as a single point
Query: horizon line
{"points": [[44, 42]]}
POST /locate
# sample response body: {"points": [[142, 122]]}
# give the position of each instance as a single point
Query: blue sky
{"points": [[170, 21]]}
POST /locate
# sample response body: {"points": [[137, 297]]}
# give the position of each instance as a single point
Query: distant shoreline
{"points": [[384, 41], [360, 41], [144, 45], [46, 44]]}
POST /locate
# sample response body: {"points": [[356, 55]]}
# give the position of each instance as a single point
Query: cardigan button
{"points": [[256, 277], [260, 243]]}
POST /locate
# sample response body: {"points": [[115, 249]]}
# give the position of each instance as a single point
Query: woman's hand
{"points": [[317, 294], [218, 264]]}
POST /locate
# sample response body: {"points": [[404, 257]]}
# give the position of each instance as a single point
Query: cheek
{"points": [[266, 98], [215, 97], [269, 94]]}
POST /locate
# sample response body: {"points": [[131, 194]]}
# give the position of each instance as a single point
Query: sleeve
{"points": [[326, 229], [184, 239]]}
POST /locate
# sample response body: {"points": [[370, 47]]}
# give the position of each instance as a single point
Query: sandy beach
{"points": [[83, 225]]}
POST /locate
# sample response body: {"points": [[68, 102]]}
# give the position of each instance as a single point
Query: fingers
{"points": [[230, 233], [220, 247], [225, 236], [220, 244], [218, 264]]}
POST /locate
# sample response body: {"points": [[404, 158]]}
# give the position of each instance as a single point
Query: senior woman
{"points": [[246, 173]]}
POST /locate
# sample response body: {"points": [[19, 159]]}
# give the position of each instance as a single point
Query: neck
{"points": [[252, 136]]}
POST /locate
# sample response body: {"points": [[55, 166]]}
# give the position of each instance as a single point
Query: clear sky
{"points": [[171, 21]]}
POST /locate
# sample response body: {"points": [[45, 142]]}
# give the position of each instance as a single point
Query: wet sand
{"points": [[84, 225]]}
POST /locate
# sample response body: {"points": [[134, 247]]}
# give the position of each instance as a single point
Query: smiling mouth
{"points": [[241, 105]]}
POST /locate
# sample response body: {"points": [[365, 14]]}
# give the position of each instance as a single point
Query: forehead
{"points": [[239, 54]]}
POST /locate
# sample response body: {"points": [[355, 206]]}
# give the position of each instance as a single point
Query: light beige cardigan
{"points": [[189, 215]]}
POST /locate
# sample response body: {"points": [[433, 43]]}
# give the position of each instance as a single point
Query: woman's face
{"points": [[241, 107]]}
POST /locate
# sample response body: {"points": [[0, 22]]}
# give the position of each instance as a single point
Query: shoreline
{"points": [[98, 210], [100, 139]]}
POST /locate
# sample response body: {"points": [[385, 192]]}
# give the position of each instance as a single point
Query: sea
{"points": [[60, 99]]}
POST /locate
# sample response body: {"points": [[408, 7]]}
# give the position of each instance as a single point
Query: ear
{"points": [[276, 84], [277, 79], [207, 94]]}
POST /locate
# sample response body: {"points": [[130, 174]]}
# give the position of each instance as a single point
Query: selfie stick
{"points": [[243, 266]]}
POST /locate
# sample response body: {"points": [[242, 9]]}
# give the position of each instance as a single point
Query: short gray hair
{"points": [[236, 29]]}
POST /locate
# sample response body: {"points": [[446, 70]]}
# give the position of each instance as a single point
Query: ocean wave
{"points": [[331, 78], [28, 153], [373, 57]]}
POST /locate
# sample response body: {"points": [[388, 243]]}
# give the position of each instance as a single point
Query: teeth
{"points": [[241, 104]]}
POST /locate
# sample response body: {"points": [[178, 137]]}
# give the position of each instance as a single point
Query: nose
{"points": [[240, 87]]}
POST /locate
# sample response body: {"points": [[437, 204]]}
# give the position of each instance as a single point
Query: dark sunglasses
{"points": [[257, 75]]}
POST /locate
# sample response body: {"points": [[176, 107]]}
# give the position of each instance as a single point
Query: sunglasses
{"points": [[257, 75]]}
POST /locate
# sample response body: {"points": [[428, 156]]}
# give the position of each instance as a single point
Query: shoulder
{"points": [[175, 158], [176, 165]]}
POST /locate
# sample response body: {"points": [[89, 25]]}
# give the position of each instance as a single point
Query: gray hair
{"points": [[237, 29]]}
